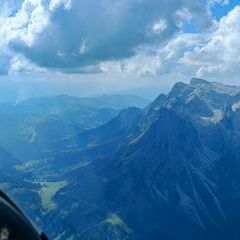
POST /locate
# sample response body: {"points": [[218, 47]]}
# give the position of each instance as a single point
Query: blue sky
{"points": [[85, 47], [220, 10]]}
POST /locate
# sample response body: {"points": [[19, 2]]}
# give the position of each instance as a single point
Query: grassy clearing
{"points": [[47, 192], [115, 220]]}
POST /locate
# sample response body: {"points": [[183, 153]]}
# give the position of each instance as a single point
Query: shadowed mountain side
{"points": [[169, 171]]}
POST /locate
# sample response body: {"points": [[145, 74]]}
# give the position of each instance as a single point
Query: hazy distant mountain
{"points": [[33, 128], [169, 171], [59, 104]]}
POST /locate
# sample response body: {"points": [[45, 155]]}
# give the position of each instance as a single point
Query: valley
{"points": [[171, 163]]}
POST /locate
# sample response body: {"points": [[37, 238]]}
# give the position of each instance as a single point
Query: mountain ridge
{"points": [[173, 164]]}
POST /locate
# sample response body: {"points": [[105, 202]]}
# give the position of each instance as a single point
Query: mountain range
{"points": [[167, 171]]}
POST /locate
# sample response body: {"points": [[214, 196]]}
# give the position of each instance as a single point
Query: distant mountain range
{"points": [[32, 128], [168, 171]]}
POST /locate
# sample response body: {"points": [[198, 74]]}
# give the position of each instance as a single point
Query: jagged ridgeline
{"points": [[167, 171]]}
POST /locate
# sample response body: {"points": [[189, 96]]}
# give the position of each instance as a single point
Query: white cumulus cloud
{"points": [[219, 52]]}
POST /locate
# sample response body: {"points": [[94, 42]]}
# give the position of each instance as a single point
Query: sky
{"points": [[92, 47]]}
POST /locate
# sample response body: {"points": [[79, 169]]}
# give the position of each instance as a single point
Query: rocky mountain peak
{"points": [[198, 82]]}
